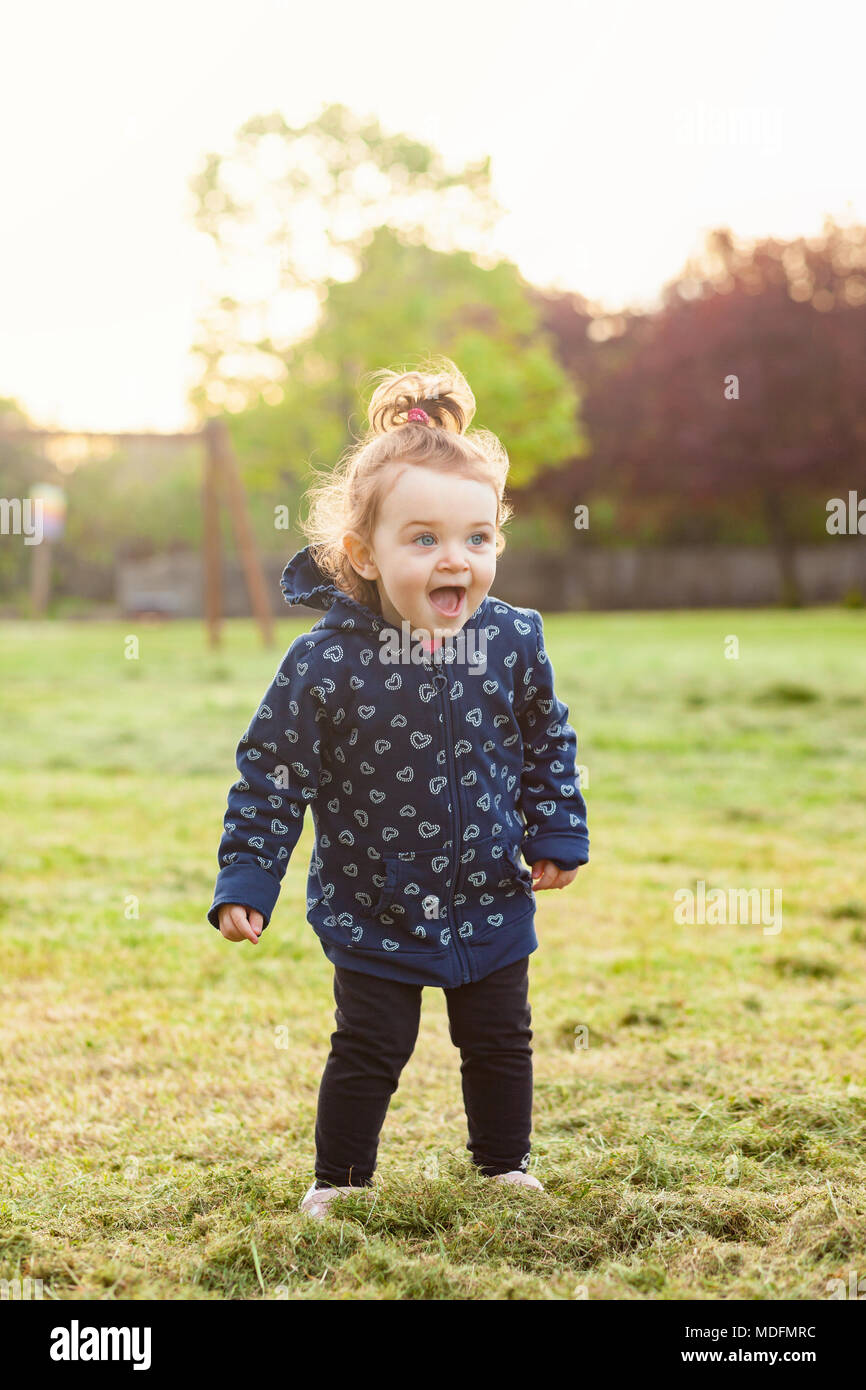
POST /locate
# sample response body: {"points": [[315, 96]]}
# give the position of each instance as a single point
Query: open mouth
{"points": [[448, 599]]}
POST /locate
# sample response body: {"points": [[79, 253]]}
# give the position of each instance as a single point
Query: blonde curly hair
{"points": [[348, 497]]}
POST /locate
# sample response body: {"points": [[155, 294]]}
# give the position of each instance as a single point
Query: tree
{"points": [[289, 210], [407, 302], [745, 388]]}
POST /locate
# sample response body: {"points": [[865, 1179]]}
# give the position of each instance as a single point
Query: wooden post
{"points": [[40, 578], [212, 540], [229, 473]]}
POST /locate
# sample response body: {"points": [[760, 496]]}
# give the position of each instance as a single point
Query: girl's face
{"points": [[433, 551]]}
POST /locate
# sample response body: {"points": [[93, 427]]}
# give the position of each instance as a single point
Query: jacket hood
{"points": [[303, 582]]}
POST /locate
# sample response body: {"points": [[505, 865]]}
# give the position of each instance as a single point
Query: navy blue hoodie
{"points": [[427, 779]]}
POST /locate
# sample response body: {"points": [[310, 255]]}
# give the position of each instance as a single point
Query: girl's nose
{"points": [[453, 559]]}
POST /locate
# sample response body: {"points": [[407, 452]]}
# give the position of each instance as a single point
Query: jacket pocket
{"points": [[390, 868], [491, 872], [409, 913], [522, 875]]}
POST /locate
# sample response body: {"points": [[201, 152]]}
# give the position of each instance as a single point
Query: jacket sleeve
{"points": [[279, 761], [550, 797]]}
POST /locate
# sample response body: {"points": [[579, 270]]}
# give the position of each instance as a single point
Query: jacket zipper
{"points": [[443, 690]]}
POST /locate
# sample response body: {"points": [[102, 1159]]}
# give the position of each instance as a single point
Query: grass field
{"points": [[159, 1084]]}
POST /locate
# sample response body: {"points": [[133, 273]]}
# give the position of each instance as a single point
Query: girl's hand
{"points": [[549, 876], [239, 923]]}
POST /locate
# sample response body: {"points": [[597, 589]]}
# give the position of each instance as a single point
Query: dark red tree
{"points": [[745, 389]]}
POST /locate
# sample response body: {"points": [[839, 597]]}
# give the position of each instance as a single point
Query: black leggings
{"points": [[377, 1027]]}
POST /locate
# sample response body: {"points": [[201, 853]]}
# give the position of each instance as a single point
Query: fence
{"points": [[710, 576]]}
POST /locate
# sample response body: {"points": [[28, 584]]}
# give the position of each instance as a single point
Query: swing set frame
{"points": [[221, 484]]}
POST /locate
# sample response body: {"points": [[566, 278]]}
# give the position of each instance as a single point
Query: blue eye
{"points": [[428, 536]]}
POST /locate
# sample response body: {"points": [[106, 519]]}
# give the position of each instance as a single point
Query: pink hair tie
{"points": [[416, 413]]}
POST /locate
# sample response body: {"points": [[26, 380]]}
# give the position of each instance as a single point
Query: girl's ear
{"points": [[360, 555]]}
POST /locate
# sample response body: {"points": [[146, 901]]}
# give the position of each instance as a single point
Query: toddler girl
{"points": [[418, 719]]}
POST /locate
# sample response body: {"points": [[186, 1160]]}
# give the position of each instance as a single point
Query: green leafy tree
{"points": [[408, 302], [290, 209]]}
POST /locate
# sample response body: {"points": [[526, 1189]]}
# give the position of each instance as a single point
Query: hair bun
{"points": [[438, 387]]}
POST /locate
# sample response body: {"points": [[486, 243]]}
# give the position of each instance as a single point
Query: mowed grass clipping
{"points": [[700, 1101]]}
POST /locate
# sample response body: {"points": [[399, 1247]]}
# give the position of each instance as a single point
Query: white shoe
{"points": [[519, 1178], [316, 1200]]}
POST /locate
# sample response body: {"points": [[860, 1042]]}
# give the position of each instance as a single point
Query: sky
{"points": [[619, 132]]}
